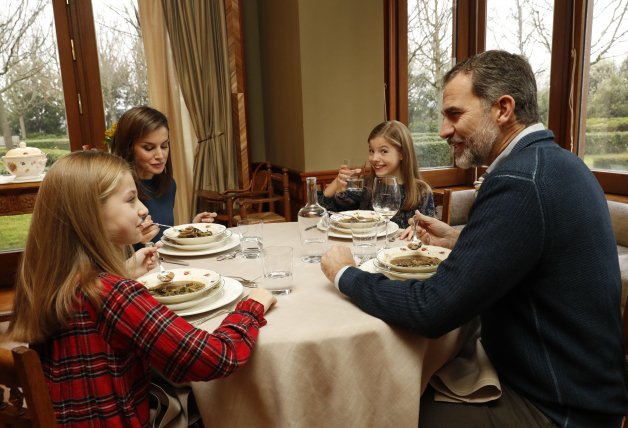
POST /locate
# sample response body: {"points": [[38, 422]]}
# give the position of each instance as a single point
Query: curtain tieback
{"points": [[211, 137]]}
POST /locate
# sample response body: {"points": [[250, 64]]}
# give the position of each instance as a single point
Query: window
{"points": [[606, 137], [524, 27], [581, 68]]}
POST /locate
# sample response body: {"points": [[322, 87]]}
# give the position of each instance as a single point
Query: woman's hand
{"points": [[144, 260], [149, 230], [263, 296], [204, 217], [433, 231], [340, 182]]}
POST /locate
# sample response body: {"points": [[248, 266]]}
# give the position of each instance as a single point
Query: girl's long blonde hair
{"points": [[398, 134], [67, 244]]}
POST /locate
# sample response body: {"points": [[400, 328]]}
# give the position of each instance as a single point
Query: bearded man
{"points": [[537, 262]]}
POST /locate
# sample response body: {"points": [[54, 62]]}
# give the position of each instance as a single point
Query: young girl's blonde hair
{"points": [[398, 134], [67, 244]]}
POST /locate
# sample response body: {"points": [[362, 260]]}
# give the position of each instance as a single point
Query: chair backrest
{"points": [[442, 198], [261, 200], [460, 203], [21, 373]]}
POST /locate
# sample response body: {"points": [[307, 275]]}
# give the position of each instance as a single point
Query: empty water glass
{"points": [[277, 262], [250, 231], [364, 239]]}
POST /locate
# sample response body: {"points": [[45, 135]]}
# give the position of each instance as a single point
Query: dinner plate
{"points": [[216, 230], [338, 220], [214, 293], [370, 266], [387, 255], [231, 242], [392, 227], [167, 241], [209, 278], [231, 290]]}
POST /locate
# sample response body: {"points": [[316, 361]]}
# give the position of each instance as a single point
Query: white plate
{"points": [[369, 266], [228, 244], [392, 228], [5, 179], [214, 294], [385, 256], [168, 242], [337, 219], [230, 292], [216, 229], [208, 277]]}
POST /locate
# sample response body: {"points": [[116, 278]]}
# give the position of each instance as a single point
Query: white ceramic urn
{"points": [[25, 162]]}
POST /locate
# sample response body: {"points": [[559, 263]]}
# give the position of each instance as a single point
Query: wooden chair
{"points": [[625, 317], [261, 201], [20, 371], [256, 199], [442, 198]]}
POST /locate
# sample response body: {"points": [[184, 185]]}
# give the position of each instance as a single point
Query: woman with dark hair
{"points": [[142, 138]]}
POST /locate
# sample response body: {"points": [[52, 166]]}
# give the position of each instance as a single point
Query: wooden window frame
{"points": [[570, 57], [78, 59]]}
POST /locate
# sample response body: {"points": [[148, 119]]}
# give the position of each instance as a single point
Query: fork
{"points": [[250, 283], [207, 318]]}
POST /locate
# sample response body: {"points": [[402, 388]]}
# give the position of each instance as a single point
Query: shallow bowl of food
{"points": [[195, 233], [187, 284], [356, 219], [402, 259]]}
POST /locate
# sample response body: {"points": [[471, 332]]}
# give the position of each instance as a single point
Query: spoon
{"points": [[163, 275], [416, 243]]}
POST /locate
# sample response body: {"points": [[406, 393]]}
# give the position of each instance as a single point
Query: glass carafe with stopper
{"points": [[313, 225]]}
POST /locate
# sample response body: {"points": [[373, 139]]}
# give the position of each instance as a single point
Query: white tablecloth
{"points": [[320, 361]]}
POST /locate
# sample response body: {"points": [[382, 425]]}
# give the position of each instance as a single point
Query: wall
{"points": [[322, 80]]}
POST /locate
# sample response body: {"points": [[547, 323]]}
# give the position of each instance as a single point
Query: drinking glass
{"points": [[364, 242], [277, 262], [386, 199], [250, 231]]}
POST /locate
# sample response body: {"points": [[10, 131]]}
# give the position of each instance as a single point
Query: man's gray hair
{"points": [[496, 73]]}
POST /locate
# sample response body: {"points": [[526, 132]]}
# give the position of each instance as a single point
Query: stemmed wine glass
{"points": [[386, 199]]}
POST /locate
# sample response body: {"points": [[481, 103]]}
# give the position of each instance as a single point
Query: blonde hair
{"points": [[67, 245], [398, 135]]}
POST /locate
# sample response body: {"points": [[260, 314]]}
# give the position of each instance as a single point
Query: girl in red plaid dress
{"points": [[100, 334]]}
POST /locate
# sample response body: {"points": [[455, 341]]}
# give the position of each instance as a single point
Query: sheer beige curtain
{"points": [[164, 95], [198, 35]]}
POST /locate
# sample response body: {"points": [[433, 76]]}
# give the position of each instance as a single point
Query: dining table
{"points": [[320, 361]]}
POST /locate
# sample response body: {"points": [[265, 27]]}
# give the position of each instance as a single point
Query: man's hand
{"points": [[335, 259], [435, 232]]}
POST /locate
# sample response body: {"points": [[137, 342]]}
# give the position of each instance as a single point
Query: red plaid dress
{"points": [[98, 369]]}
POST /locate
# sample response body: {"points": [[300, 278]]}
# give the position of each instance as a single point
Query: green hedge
{"points": [[610, 124], [615, 162], [431, 150], [606, 142]]}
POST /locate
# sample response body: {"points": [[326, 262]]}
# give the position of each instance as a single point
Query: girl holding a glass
{"points": [[391, 154]]}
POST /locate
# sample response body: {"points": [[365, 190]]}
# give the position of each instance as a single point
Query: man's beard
{"points": [[477, 147]]}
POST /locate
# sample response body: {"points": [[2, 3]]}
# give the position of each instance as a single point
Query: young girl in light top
{"points": [[98, 333], [391, 153]]}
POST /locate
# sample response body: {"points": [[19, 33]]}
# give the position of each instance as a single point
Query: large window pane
{"points": [[430, 26], [524, 27], [606, 142], [31, 100], [121, 56]]}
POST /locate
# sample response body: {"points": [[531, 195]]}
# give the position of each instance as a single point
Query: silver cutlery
{"points": [[228, 256], [250, 283], [218, 312], [174, 262], [207, 318], [415, 243], [163, 275]]}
